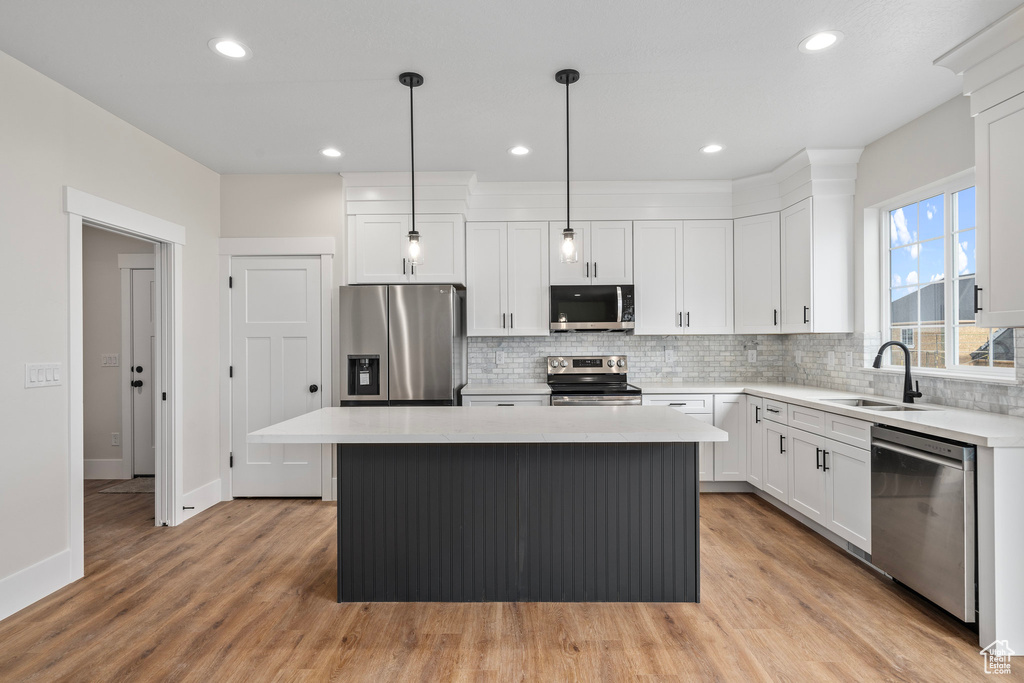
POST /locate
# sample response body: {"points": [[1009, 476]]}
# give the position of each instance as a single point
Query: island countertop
{"points": [[540, 424]]}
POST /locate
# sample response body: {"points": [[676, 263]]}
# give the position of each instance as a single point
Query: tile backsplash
{"points": [[795, 359]]}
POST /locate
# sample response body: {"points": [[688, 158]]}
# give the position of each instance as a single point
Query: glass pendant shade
{"points": [[569, 253], [415, 253]]}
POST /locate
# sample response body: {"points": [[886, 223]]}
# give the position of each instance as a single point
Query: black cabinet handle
{"points": [[595, 268], [137, 383], [824, 461], [403, 266], [976, 290], [773, 410], [817, 458], [782, 443], [502, 321], [512, 320], [138, 368], [412, 268], [680, 318], [805, 315], [775, 318], [313, 388], [506, 405], [687, 318], [757, 414]]}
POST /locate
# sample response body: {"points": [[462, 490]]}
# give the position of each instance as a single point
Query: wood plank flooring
{"points": [[246, 592]]}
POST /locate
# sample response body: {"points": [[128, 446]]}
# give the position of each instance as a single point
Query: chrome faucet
{"points": [[910, 392]]}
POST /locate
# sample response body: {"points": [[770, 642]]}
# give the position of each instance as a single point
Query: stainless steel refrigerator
{"points": [[401, 344]]}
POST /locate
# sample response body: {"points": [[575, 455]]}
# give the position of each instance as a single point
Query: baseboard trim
{"points": [[726, 487], [202, 498], [853, 550], [21, 589], [107, 468]]}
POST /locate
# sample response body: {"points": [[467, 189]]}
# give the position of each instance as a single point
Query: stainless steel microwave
{"points": [[592, 308]]}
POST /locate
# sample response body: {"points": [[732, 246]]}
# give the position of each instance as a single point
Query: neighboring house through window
{"points": [[929, 277]]}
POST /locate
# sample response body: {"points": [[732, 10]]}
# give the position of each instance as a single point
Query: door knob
{"points": [[137, 383], [313, 388], [138, 368]]}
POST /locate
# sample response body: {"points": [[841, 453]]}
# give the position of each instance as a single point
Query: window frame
{"points": [[947, 187]]}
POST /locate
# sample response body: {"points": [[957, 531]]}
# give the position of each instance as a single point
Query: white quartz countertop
{"points": [[975, 427], [521, 389], [540, 424]]}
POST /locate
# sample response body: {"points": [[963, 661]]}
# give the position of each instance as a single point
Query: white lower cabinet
{"points": [[510, 401], [730, 462], [776, 461], [807, 485], [848, 513], [755, 441]]}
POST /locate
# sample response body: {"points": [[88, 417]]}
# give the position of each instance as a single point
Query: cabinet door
{"points": [[658, 252], [570, 273], [377, 250], [755, 441], [797, 268], [807, 479], [706, 466], [776, 461], [442, 238], [756, 259], [528, 295], [999, 139], [731, 455], [707, 277], [849, 485], [611, 252], [486, 280]]}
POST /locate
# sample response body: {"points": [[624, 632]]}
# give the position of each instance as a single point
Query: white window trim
{"points": [[947, 186]]}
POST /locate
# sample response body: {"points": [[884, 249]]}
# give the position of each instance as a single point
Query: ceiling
{"points": [[660, 79]]}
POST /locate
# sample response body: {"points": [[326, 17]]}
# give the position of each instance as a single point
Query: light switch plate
{"points": [[43, 375], [849, 359], [499, 357], [752, 356], [109, 360]]}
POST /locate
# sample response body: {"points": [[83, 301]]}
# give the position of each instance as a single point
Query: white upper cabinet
{"points": [[796, 267], [658, 280], [605, 251], [999, 175], [757, 262], [507, 288], [378, 250], [707, 277]]}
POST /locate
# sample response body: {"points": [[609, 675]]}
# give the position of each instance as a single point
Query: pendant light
{"points": [[569, 252], [415, 254]]}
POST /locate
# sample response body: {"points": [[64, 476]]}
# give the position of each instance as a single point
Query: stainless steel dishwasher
{"points": [[923, 516]]}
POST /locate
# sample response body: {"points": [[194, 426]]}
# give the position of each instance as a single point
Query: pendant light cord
{"points": [[412, 156], [568, 226]]}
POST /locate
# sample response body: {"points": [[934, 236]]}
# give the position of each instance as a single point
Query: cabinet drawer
{"points": [[848, 430], [684, 403], [515, 401], [807, 419], [776, 411]]}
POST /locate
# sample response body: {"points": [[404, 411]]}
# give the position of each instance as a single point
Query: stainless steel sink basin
{"points": [[874, 404]]}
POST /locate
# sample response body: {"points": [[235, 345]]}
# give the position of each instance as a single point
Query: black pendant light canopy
{"points": [[569, 252], [412, 80]]}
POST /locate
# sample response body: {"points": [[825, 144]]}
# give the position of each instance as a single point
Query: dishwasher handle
{"points": [[920, 455]]}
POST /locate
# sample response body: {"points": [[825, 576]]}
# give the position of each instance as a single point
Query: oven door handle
{"points": [[920, 455], [591, 401], [618, 294]]}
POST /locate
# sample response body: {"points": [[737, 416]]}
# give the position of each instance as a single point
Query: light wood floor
{"points": [[246, 592]]}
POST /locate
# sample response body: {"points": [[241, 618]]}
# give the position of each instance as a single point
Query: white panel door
{"points": [[442, 238], [658, 277], [756, 262], [275, 353], [707, 277], [797, 268], [731, 455], [528, 293], [486, 280], [378, 250], [999, 139], [849, 486], [755, 441], [611, 252], [807, 491], [142, 373], [776, 461], [570, 273]]}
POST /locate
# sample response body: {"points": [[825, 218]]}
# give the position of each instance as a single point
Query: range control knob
{"points": [[554, 363], [622, 363], [563, 364], [611, 363]]}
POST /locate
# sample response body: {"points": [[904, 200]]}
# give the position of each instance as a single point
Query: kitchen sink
{"points": [[874, 404]]}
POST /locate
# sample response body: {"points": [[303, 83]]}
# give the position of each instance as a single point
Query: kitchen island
{"points": [[526, 504]]}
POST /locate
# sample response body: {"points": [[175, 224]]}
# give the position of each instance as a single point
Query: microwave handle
{"points": [[618, 294]]}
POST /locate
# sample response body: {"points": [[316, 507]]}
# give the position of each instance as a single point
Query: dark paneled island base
{"points": [[546, 522]]}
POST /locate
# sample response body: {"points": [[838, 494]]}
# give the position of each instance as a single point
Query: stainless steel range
{"points": [[591, 381]]}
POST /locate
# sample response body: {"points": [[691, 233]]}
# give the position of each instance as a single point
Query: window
{"points": [[930, 283]]}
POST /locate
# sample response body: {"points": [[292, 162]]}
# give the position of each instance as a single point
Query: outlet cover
{"points": [[799, 356], [115, 438], [831, 359], [670, 355], [849, 359], [499, 357], [752, 356]]}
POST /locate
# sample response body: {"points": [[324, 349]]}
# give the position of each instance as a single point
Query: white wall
{"points": [[51, 137], [101, 334], [929, 148]]}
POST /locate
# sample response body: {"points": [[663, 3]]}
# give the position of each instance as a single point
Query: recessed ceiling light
{"points": [[519, 150], [230, 48], [711, 149], [332, 152], [820, 41]]}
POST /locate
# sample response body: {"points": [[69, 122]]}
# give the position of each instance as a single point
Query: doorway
{"points": [[138, 347]]}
